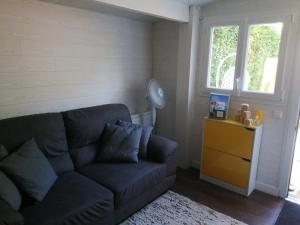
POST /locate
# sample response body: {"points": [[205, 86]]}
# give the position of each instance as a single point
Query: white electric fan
{"points": [[156, 97]]}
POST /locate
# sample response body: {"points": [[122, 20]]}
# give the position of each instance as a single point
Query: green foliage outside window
{"points": [[224, 43], [264, 42]]}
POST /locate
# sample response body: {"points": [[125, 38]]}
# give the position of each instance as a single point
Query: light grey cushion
{"points": [[30, 170], [9, 192], [119, 144]]}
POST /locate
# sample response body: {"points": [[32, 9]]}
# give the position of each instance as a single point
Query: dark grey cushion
{"points": [[30, 170], [73, 200], [85, 155], [3, 152], [9, 192], [119, 144], [127, 180], [9, 216], [146, 133], [48, 131], [84, 128]]}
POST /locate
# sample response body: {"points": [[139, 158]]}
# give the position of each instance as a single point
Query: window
{"points": [[245, 56], [262, 57], [223, 50]]}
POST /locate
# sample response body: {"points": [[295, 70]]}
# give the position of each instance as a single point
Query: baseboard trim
{"points": [[266, 188]]}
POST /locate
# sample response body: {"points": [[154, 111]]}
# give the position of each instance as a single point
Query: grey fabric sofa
{"points": [[87, 192]]}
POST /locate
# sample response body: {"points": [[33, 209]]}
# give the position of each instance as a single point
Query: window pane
{"points": [[223, 57], [262, 57]]}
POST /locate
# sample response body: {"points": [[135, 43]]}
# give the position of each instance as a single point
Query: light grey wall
{"points": [[165, 54], [54, 58]]}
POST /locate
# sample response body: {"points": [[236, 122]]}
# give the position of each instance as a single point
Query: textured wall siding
{"points": [[54, 58], [165, 48]]}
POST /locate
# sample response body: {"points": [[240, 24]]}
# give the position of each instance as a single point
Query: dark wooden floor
{"points": [[257, 209]]}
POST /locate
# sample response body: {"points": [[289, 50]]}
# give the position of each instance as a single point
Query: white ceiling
{"points": [[96, 6], [107, 9], [199, 2]]}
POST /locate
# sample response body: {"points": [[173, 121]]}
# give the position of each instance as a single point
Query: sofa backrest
{"points": [[48, 130], [85, 126]]}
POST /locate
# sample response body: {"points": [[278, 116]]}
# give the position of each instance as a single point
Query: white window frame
{"points": [[244, 23], [208, 25]]}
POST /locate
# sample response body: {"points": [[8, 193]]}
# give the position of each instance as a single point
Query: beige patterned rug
{"points": [[174, 209]]}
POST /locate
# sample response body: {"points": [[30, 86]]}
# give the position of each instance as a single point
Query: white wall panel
{"points": [[165, 48], [55, 58], [169, 9]]}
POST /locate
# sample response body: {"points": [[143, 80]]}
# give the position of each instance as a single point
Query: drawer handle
{"points": [[247, 160], [248, 128]]}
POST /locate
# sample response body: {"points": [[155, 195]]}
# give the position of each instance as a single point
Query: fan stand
{"points": [[153, 109]]}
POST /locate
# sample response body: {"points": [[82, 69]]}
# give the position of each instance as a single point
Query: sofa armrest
{"points": [[163, 150], [9, 216]]}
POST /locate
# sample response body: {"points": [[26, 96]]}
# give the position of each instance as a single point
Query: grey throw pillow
{"points": [[30, 170], [9, 216], [9, 192], [146, 133], [3, 152], [119, 144]]}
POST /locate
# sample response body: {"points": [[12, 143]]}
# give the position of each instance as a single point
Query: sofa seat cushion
{"points": [[74, 199], [126, 180]]}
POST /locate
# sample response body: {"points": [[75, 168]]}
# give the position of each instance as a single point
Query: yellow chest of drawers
{"points": [[230, 154]]}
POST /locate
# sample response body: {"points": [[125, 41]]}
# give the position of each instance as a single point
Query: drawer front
{"points": [[229, 138], [225, 167]]}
